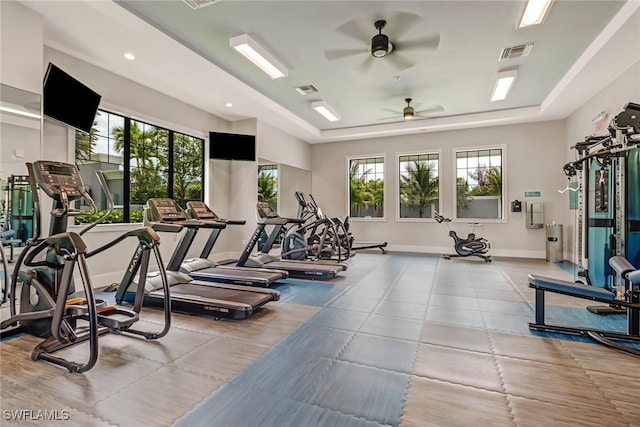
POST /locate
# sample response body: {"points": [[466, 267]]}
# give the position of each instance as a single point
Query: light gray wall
{"points": [[533, 159], [21, 36], [290, 180]]}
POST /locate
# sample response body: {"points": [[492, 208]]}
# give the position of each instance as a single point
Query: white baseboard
{"points": [[511, 253]]}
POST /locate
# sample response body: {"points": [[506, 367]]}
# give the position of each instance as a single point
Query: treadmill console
{"points": [[56, 178], [200, 210], [166, 210]]}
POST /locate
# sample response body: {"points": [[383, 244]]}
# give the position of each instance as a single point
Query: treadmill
{"points": [[191, 296], [202, 268], [299, 269]]}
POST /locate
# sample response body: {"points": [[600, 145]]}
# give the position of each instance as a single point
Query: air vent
{"points": [[198, 4], [516, 51], [306, 89]]}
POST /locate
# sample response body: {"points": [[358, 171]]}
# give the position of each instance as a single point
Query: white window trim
{"points": [[454, 214], [348, 159], [440, 187]]}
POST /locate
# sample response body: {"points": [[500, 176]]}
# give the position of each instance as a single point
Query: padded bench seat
{"points": [[570, 288]]}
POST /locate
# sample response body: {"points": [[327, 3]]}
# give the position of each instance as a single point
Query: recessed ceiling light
{"points": [[130, 56], [228, 104]]}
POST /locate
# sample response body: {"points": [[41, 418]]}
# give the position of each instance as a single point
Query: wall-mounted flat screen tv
{"points": [[232, 146], [67, 100]]}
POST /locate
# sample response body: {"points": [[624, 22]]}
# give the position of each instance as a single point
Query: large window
{"points": [[268, 185], [419, 185], [366, 187], [139, 161], [479, 186]]}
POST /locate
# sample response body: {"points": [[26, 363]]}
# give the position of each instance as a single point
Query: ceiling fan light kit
{"points": [[380, 45], [408, 112]]}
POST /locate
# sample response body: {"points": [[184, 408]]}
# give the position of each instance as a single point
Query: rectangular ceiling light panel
{"points": [[503, 85], [255, 53], [326, 111], [197, 4], [534, 12]]}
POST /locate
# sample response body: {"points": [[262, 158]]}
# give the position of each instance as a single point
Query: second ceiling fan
{"points": [[409, 113]]}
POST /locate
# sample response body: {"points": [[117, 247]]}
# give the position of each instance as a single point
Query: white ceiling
{"points": [[184, 53]]}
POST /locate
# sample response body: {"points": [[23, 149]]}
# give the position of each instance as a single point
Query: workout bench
{"points": [[631, 277]]}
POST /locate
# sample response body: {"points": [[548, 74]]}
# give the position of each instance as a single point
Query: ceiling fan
{"points": [[380, 45], [409, 113]]}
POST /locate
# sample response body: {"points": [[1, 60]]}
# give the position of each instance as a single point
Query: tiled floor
{"points": [[403, 340]]}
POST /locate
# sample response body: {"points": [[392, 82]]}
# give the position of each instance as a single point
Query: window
{"points": [[268, 185], [366, 187], [155, 162], [479, 185], [419, 185]]}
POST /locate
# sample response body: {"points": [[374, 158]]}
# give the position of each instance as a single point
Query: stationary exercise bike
{"points": [[471, 246]]}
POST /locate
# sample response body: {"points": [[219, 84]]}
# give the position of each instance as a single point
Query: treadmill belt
{"points": [[237, 276], [201, 294], [306, 269]]}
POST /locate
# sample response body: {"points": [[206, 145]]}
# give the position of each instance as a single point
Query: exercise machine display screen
{"points": [[57, 177], [166, 210], [201, 211]]}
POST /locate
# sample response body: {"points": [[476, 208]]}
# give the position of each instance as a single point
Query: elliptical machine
{"points": [[48, 306], [471, 246]]}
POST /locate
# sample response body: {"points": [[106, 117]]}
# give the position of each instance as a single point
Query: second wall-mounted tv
{"points": [[232, 146], [68, 100]]}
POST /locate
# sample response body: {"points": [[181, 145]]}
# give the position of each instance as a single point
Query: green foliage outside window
{"points": [[419, 186], [268, 186], [366, 187]]}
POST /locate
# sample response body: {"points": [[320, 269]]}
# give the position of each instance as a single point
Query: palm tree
{"points": [[187, 168], [463, 195], [85, 143], [489, 182], [268, 189], [375, 189], [419, 188], [149, 150], [358, 191]]}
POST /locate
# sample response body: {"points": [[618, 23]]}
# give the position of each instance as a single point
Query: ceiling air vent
{"points": [[516, 51], [306, 89], [197, 4]]}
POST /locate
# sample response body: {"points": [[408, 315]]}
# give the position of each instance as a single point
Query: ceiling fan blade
{"points": [[357, 31], [396, 112], [332, 54], [366, 64], [423, 43], [436, 109], [399, 62], [390, 118], [401, 22]]}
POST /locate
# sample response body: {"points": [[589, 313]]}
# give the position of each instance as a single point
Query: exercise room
{"points": [[320, 213]]}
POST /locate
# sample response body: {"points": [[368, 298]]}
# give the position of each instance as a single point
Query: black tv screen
{"points": [[67, 100], [232, 146]]}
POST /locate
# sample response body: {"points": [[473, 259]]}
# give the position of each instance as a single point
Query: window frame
{"points": [[504, 211], [126, 158], [438, 152], [348, 160]]}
